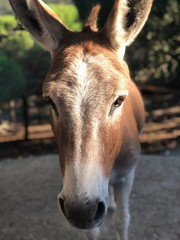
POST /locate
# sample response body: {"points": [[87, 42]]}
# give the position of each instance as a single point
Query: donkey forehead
{"points": [[86, 69]]}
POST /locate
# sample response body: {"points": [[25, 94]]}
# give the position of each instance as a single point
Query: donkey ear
{"points": [[92, 19], [125, 21], [42, 23]]}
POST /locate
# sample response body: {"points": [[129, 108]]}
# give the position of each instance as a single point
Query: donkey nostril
{"points": [[61, 203], [100, 211]]}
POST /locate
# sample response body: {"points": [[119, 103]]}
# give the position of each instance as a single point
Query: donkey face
{"points": [[87, 88], [86, 91], [87, 96]]}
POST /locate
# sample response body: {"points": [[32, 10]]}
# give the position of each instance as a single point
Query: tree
{"points": [[12, 81], [18, 45], [154, 56], [69, 14]]}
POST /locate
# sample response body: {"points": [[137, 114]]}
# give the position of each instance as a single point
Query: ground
{"points": [[28, 200]]}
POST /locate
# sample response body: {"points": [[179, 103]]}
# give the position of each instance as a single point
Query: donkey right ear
{"points": [[125, 21], [42, 23]]}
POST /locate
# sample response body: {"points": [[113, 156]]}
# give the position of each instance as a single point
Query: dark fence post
{"points": [[25, 116]]}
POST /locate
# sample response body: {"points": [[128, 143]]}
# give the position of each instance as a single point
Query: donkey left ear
{"points": [[125, 21], [41, 22]]}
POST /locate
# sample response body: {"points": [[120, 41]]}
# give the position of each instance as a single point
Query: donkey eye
{"points": [[117, 104], [118, 101], [51, 103]]}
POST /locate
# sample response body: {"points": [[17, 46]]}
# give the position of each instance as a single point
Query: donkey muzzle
{"points": [[83, 214]]}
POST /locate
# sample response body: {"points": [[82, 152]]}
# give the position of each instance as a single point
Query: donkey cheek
{"points": [[109, 155]]}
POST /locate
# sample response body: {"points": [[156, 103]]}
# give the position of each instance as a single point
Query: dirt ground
{"points": [[28, 200]]}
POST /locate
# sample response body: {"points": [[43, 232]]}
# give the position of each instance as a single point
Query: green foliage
{"points": [[154, 57], [17, 42], [69, 15], [12, 81], [28, 58], [17, 45], [7, 24], [35, 65]]}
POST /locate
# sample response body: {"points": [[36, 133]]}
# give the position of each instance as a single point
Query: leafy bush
{"points": [[12, 81], [154, 57], [7, 24], [69, 15], [17, 45]]}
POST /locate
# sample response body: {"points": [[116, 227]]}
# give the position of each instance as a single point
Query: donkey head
{"points": [[87, 89]]}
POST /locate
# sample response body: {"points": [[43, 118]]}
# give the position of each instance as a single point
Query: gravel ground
{"points": [[28, 205]]}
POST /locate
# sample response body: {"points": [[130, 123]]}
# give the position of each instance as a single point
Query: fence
{"points": [[28, 119]]}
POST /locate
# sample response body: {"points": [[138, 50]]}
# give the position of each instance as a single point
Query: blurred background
{"points": [[153, 61]]}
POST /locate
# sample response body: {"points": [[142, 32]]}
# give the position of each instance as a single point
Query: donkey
{"points": [[96, 111]]}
